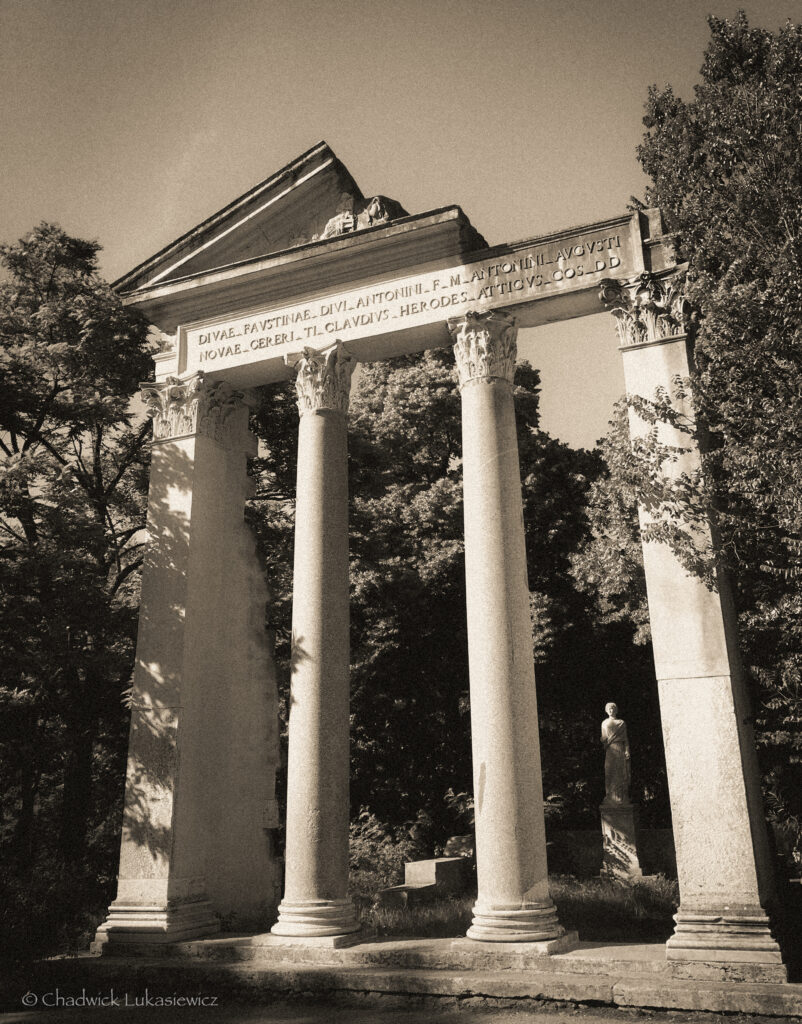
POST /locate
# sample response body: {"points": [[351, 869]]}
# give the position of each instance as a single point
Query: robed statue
{"points": [[617, 774]]}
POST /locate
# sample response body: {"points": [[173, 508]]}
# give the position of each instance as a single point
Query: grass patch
{"points": [[608, 910], [440, 919], [601, 909]]}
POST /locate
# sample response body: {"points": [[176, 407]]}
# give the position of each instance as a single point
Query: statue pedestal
{"points": [[620, 849]]}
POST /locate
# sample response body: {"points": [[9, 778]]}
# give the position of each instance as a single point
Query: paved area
{"points": [[304, 1012], [234, 981]]}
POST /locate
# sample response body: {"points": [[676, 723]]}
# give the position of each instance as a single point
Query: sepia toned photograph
{"points": [[400, 501]]}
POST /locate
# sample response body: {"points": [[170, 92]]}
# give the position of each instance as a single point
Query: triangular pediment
{"points": [[290, 208]]}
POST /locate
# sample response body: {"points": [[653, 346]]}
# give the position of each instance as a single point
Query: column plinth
{"points": [[315, 902], [513, 903]]}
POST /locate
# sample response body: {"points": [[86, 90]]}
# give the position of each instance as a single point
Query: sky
{"points": [[130, 121]]}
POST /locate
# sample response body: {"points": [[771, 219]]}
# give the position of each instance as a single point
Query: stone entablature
{"points": [[649, 309], [388, 291], [485, 346], [182, 408], [323, 379]]}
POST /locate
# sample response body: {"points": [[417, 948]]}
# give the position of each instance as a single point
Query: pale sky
{"points": [[130, 121]]}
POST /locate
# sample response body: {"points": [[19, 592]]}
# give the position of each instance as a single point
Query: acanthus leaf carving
{"points": [[485, 346], [181, 408], [323, 378], [649, 309]]}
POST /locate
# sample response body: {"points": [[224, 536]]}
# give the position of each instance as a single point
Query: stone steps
{"points": [[253, 981], [432, 954], [461, 954]]}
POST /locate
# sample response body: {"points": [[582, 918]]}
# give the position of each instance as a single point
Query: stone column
{"points": [[200, 787], [316, 902], [513, 904], [723, 859]]}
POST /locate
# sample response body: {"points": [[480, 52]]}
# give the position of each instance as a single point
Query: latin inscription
{"points": [[520, 277]]}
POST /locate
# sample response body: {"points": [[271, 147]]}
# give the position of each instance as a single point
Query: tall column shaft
{"points": [[315, 899], [723, 861], [513, 902], [203, 741]]}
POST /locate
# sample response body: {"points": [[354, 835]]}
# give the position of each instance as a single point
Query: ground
{"points": [[307, 1011]]}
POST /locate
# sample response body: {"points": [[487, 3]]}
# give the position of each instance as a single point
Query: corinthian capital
{"points": [[323, 379], [647, 310], [484, 346], [180, 408]]}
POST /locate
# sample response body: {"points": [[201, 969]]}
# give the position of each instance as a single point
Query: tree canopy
{"points": [[73, 477], [726, 171], [410, 698]]}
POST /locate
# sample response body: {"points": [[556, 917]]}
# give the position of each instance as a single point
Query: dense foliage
{"points": [[73, 475], [410, 701], [726, 170]]}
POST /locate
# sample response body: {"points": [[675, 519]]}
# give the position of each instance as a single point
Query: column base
{"points": [[726, 938], [534, 922], [309, 941], [131, 924], [315, 918]]}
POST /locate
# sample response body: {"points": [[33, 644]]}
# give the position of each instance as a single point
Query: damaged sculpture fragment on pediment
{"points": [[365, 213]]}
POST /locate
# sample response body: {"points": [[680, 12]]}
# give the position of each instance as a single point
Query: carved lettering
{"points": [[544, 268]]}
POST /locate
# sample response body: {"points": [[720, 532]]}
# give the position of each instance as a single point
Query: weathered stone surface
{"points": [[331, 291], [617, 975], [513, 903], [727, 969], [447, 874], [532, 951], [723, 859], [203, 737], [426, 880], [316, 901], [619, 841], [617, 765], [274, 943], [770, 999], [322, 378], [176, 866], [404, 895], [289, 208], [363, 213], [135, 924]]}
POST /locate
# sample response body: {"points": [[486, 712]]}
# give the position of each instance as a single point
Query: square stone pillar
{"points": [[723, 860], [200, 788]]}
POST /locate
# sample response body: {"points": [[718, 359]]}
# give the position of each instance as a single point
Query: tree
{"points": [[411, 741], [410, 701], [726, 171], [72, 500], [608, 566]]}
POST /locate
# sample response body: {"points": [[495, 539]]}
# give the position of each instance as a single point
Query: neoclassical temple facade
{"points": [[303, 276]]}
